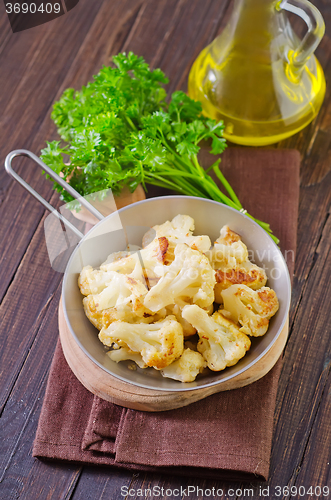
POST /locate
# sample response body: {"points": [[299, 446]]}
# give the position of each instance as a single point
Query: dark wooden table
{"points": [[36, 66]]}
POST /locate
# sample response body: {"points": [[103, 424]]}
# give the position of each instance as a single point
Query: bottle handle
{"points": [[316, 28]]}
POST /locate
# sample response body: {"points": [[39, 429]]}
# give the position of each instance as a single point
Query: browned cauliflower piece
{"points": [[121, 289], [145, 265], [245, 273], [229, 258], [185, 368], [106, 316], [190, 278], [228, 250], [221, 342], [121, 299], [159, 344], [251, 309], [228, 237], [123, 312], [179, 230], [116, 256], [93, 280]]}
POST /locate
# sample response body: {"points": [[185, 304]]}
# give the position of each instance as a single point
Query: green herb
{"points": [[120, 131]]}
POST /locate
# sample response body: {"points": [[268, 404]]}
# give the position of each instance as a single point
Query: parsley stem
{"points": [[142, 175], [164, 183], [130, 122], [198, 167], [181, 162], [217, 162], [206, 185], [187, 185], [213, 188], [181, 186], [227, 186]]}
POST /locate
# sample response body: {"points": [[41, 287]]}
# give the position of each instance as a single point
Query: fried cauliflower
{"points": [[229, 259], [221, 342], [128, 312], [245, 273], [251, 309], [151, 258], [121, 299], [103, 318], [189, 278], [159, 344], [185, 368], [228, 250], [121, 289], [146, 302], [179, 230], [93, 280], [125, 354], [116, 256]]}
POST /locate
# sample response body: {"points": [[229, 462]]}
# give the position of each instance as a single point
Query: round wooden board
{"points": [[112, 389]]}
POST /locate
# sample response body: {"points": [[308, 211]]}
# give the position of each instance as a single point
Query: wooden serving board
{"points": [[112, 389]]}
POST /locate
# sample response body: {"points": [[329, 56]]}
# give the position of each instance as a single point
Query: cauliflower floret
{"points": [[145, 265], [124, 266], [221, 342], [186, 368], [245, 273], [121, 289], [228, 250], [116, 256], [176, 310], [179, 230], [124, 353], [227, 236], [190, 278], [125, 262], [103, 318], [252, 309], [229, 258], [122, 312], [93, 281], [151, 260], [158, 343], [122, 299], [115, 296]]}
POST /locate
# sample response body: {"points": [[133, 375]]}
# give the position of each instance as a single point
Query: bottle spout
{"points": [[316, 28]]}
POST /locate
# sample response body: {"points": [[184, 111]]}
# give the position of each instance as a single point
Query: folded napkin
{"points": [[225, 436]]}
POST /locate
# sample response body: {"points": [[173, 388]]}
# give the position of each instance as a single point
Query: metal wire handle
{"points": [[58, 179]]}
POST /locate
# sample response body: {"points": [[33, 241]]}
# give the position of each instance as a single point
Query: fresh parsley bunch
{"points": [[120, 131]]}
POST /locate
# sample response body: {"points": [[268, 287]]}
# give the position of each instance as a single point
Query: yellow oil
{"points": [[261, 96]]}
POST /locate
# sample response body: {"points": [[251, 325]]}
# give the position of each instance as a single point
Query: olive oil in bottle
{"points": [[257, 76]]}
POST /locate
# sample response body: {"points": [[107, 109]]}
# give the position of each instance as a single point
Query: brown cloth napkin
{"points": [[225, 436]]}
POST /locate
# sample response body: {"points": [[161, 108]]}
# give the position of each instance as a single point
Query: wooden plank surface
{"points": [[37, 65]]}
